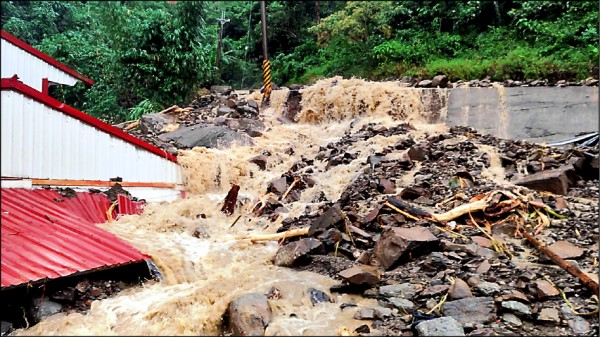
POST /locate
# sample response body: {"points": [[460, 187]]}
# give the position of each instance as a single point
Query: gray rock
{"points": [[395, 242], [248, 125], [365, 313], [440, 81], [401, 290], [252, 103], [471, 310], [201, 232], [579, 325], [43, 308], [424, 84], [518, 308], [401, 304], [223, 111], [207, 136], [7, 328], [488, 288], [381, 312], [155, 122], [443, 326], [249, 315], [318, 296], [512, 319], [221, 89], [297, 252]]}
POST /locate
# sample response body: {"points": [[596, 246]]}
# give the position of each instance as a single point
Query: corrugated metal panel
{"points": [[128, 206], [29, 68], [41, 142], [46, 235]]}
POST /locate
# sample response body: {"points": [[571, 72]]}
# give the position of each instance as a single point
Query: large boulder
{"points": [[395, 243], [249, 315], [205, 136]]}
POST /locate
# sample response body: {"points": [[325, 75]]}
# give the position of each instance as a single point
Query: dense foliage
{"points": [[151, 54]]}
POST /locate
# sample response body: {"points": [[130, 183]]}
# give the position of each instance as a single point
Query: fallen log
{"points": [[132, 125], [230, 200], [412, 210], [570, 268], [277, 236], [169, 109]]}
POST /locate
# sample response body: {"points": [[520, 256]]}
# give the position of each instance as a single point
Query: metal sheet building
{"points": [[45, 142]]}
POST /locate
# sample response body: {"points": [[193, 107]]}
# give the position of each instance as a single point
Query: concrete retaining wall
{"points": [[538, 114]]}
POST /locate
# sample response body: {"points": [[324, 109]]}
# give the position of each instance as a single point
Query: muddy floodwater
{"points": [[201, 276]]}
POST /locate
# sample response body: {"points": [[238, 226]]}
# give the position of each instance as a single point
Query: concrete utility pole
{"points": [[266, 63], [222, 21]]}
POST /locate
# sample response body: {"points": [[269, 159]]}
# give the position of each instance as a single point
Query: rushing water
{"points": [[201, 276]]}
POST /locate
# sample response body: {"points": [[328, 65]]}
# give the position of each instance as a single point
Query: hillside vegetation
{"points": [[151, 54]]}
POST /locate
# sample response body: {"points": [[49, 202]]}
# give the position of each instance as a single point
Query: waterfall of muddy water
{"points": [[503, 117], [202, 275]]}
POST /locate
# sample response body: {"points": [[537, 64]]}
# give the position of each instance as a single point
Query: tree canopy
{"points": [[144, 55]]}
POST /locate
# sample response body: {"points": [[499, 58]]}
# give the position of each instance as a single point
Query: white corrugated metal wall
{"points": [[39, 142], [30, 69]]}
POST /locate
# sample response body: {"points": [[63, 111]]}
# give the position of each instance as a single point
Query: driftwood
{"points": [[277, 236], [132, 125], [491, 200], [169, 109], [230, 200], [403, 208], [570, 268]]}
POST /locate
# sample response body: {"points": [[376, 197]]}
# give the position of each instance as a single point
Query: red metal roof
{"points": [[45, 57], [16, 85], [45, 235]]}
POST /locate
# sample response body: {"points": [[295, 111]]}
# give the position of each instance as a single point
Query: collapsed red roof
{"points": [[46, 236]]}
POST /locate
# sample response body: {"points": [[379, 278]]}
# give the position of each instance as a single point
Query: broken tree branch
{"points": [[405, 207], [289, 189], [169, 109], [277, 236], [132, 125], [570, 268]]}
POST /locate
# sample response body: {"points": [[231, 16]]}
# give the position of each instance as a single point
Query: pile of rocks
{"points": [[212, 120], [441, 81], [452, 280]]}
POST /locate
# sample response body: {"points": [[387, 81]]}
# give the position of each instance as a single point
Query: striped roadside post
{"points": [[267, 81], [266, 63]]}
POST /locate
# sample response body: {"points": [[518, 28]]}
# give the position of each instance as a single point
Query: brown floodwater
{"points": [[201, 276]]}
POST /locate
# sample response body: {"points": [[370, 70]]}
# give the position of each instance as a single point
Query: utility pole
{"points": [[266, 63], [222, 21]]}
